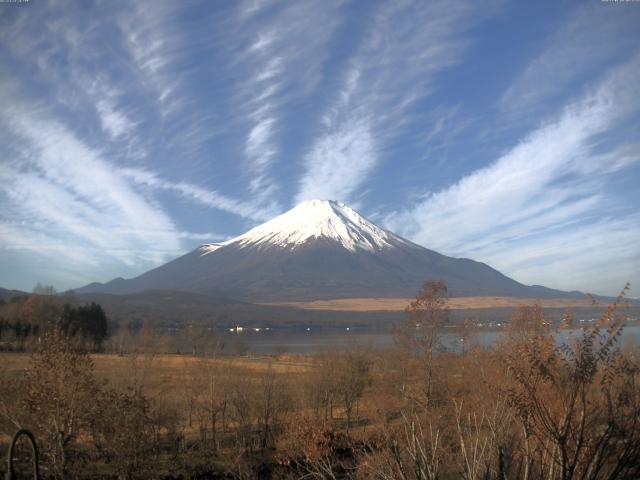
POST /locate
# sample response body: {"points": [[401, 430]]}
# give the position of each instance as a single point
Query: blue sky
{"points": [[506, 132]]}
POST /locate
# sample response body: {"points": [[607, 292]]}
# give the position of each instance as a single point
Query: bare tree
{"points": [[578, 403], [411, 451], [60, 396], [124, 432], [207, 397], [272, 402], [322, 384], [418, 334], [481, 443], [353, 377]]}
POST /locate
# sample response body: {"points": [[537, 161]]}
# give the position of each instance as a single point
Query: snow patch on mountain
{"points": [[316, 219], [209, 247]]}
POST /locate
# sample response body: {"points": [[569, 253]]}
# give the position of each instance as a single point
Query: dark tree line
{"points": [[29, 317], [88, 321]]}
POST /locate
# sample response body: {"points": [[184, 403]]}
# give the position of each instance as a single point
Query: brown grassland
{"points": [[529, 408], [454, 303], [163, 373]]}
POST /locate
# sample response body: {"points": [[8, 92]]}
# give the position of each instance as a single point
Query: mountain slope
{"points": [[319, 249], [6, 295]]}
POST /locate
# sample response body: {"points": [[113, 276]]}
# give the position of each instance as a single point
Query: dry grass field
{"points": [[455, 303], [164, 377], [163, 373]]}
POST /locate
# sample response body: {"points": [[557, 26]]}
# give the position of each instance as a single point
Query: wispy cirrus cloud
{"points": [[588, 41], [341, 161], [61, 182], [202, 196], [155, 43], [62, 199], [541, 193], [391, 72], [76, 92], [283, 60], [596, 257], [114, 122]]}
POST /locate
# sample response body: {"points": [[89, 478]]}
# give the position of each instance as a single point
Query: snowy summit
{"points": [[315, 219]]}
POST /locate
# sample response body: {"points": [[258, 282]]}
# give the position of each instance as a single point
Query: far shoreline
{"points": [[378, 304]]}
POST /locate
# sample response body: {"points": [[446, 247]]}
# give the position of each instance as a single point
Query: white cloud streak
{"points": [[542, 185], [113, 120], [201, 196], [154, 44], [341, 160], [46, 42], [596, 257], [68, 185], [392, 70], [65, 202], [583, 44], [283, 59]]}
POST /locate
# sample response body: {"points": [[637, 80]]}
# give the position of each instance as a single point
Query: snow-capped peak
{"points": [[311, 219]]}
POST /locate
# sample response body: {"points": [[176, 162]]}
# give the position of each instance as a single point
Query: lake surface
{"points": [[302, 341]]}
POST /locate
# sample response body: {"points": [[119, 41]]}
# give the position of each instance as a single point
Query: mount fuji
{"points": [[320, 249]]}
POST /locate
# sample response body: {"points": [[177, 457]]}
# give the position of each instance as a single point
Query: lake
{"points": [[302, 341]]}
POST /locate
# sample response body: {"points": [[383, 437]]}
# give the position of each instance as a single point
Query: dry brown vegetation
{"points": [[455, 303], [528, 409]]}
